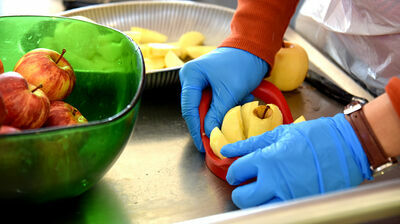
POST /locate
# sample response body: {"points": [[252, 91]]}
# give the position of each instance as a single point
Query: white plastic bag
{"points": [[362, 36]]}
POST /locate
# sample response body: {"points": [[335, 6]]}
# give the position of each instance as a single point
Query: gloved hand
{"points": [[296, 160], [232, 74]]}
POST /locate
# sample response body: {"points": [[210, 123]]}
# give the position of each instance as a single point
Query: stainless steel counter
{"points": [[160, 177]]}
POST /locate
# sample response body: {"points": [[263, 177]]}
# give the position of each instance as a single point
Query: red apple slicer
{"points": [[266, 92]]}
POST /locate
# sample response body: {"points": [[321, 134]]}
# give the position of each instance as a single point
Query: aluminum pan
{"points": [[172, 18]]}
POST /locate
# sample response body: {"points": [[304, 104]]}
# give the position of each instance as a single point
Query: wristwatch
{"points": [[379, 161]]}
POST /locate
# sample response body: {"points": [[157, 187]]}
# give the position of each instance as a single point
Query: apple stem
{"points": [[62, 53], [74, 112], [37, 87]]}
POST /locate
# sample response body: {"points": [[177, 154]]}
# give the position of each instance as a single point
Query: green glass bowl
{"points": [[61, 162]]}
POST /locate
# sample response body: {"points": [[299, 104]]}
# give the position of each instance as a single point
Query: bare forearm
{"points": [[385, 122]]}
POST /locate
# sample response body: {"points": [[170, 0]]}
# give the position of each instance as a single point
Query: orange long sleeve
{"points": [[393, 90], [258, 26]]}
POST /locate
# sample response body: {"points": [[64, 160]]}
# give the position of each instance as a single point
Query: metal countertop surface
{"points": [[160, 177]]}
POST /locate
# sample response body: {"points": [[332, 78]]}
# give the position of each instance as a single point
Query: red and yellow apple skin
{"points": [[27, 107], [64, 114], [39, 67], [8, 130], [3, 111], [1, 67]]}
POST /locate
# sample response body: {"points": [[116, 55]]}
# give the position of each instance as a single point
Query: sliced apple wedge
{"points": [[172, 60], [197, 51], [145, 49], [217, 141], [154, 63], [299, 119], [192, 38], [146, 35], [247, 111], [188, 39], [232, 125], [161, 49]]}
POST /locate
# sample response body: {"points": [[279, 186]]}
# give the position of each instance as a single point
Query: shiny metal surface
{"points": [[162, 175], [378, 203], [161, 178]]}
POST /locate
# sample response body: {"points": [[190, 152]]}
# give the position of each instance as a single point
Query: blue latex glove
{"points": [[297, 160], [232, 74]]}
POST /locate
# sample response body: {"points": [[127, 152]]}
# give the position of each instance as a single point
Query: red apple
{"points": [[27, 106], [49, 68], [3, 111], [8, 130], [1, 67], [64, 114]]}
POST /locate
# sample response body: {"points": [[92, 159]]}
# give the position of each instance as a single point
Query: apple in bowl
{"points": [[4, 129], [49, 68], [64, 114], [3, 111], [27, 106], [1, 67]]}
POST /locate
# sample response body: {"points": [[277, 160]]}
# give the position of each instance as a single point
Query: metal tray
{"points": [[172, 18]]}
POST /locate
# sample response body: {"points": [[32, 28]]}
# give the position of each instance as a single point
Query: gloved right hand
{"points": [[297, 160], [232, 74]]}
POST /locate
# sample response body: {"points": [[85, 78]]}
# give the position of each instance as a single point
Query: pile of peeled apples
{"points": [[159, 54]]}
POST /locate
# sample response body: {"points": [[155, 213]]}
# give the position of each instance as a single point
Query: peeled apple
{"points": [[242, 122], [264, 118], [232, 125], [217, 141]]}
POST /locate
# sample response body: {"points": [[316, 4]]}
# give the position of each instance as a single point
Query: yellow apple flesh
{"points": [[299, 119], [142, 35], [263, 118], [217, 141], [290, 68], [154, 63], [172, 60], [161, 49], [247, 112], [232, 125], [188, 39], [197, 51]]}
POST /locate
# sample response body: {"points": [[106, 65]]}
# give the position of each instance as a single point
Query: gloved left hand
{"points": [[297, 160], [232, 74]]}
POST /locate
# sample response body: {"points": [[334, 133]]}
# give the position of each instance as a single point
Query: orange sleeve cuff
{"points": [[258, 26], [393, 90]]}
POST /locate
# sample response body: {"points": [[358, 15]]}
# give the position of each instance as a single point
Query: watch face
{"points": [[353, 106]]}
